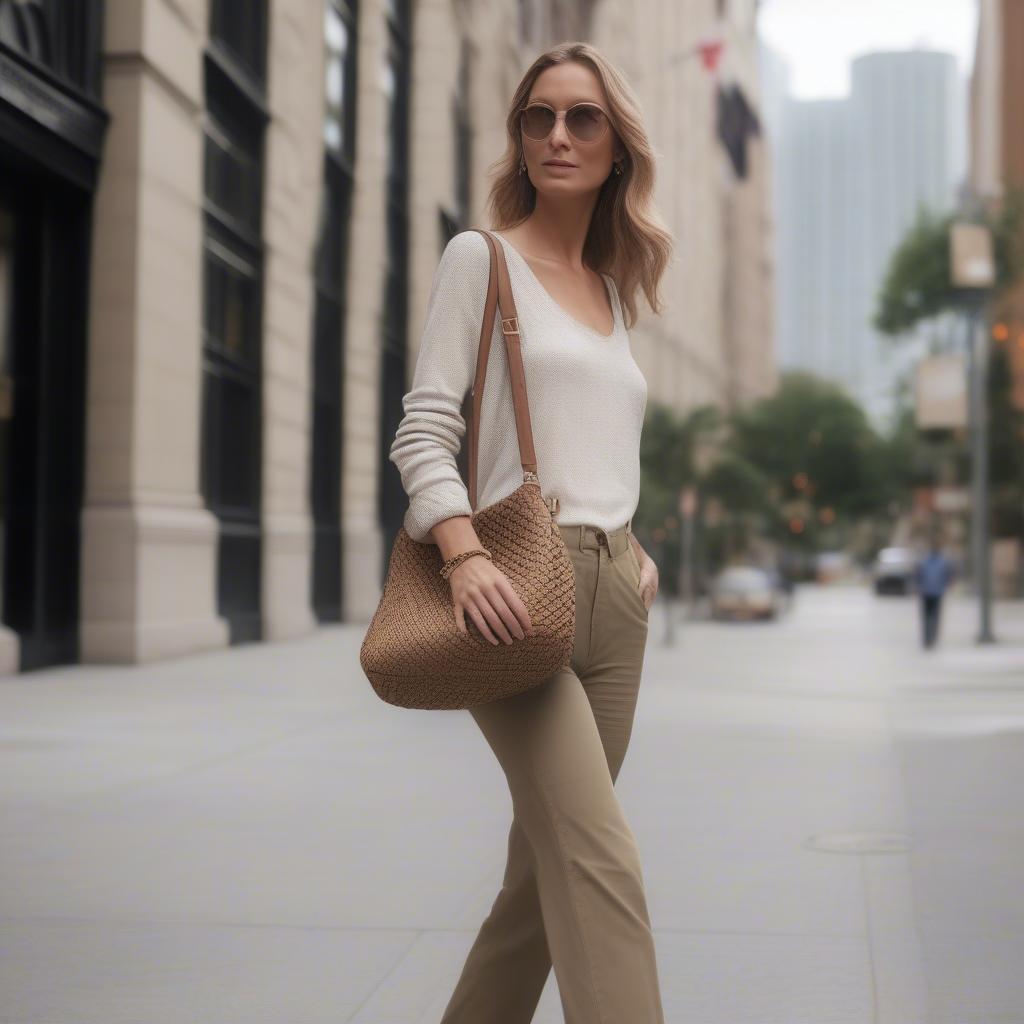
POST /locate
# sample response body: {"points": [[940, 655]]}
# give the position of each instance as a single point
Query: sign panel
{"points": [[940, 392]]}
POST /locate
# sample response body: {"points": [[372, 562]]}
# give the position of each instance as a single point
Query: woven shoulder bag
{"points": [[413, 652]]}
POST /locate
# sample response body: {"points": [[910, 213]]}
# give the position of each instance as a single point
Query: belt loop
{"points": [[581, 531]]}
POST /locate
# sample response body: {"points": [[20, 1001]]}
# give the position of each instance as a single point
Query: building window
{"points": [[235, 123], [331, 265], [395, 83], [463, 137], [239, 27], [524, 9], [65, 38], [52, 129], [340, 78], [455, 218]]}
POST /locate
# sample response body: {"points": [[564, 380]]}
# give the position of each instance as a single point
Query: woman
{"points": [[571, 203]]}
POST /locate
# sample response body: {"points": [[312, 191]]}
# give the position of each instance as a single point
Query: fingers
{"points": [[648, 583], [499, 616], [481, 623], [485, 618], [491, 611], [516, 605]]}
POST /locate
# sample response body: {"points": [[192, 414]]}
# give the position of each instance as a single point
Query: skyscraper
{"points": [[853, 174]]}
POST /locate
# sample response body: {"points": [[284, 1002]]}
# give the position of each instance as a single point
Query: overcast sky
{"points": [[819, 37]]}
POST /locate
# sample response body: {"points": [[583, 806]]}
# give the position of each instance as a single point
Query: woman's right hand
{"points": [[481, 590]]}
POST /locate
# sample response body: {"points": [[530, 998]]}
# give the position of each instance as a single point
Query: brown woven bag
{"points": [[413, 653]]}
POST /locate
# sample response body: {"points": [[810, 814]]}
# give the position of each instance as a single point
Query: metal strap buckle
{"points": [[530, 477], [514, 329]]}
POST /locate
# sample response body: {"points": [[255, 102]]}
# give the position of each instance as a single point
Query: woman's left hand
{"points": [[648, 585]]}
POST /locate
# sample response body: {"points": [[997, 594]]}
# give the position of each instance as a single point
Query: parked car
{"points": [[744, 592], [832, 566], [893, 570]]}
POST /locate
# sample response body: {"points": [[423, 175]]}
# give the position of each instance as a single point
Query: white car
{"points": [[743, 592], [893, 570]]}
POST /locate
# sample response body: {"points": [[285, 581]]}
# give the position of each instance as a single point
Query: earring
{"points": [[522, 166], [618, 169]]}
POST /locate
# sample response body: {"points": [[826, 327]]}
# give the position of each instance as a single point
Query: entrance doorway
{"points": [[44, 232]]}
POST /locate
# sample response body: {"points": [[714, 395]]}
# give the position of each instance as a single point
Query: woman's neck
{"points": [[555, 232]]}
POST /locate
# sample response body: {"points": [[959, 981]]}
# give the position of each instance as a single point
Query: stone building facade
{"points": [[264, 191], [714, 344]]}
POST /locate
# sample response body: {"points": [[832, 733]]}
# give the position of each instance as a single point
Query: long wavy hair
{"points": [[626, 239]]}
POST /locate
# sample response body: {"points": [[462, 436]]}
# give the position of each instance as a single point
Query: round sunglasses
{"points": [[585, 122]]}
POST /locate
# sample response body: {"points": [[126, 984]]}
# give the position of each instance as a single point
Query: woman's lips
{"points": [[563, 167]]}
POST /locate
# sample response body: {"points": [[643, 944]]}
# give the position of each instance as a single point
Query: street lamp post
{"points": [[980, 542], [687, 511], [972, 271], [660, 537]]}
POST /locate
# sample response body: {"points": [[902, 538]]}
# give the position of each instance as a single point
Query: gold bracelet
{"points": [[456, 560]]}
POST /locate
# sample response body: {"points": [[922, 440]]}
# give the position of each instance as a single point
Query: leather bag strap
{"points": [[499, 292]]}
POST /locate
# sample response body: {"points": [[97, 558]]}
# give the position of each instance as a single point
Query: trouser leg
{"points": [[509, 963], [586, 860], [930, 612]]}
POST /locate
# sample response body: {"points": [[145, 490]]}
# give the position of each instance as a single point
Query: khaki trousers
{"points": [[572, 896]]}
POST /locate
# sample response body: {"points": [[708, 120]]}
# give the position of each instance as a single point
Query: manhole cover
{"points": [[859, 842]]}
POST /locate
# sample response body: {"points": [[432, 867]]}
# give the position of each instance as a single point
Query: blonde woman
{"points": [[571, 205]]}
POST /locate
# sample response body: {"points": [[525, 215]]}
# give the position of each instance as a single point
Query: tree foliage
{"points": [[917, 282], [813, 442]]}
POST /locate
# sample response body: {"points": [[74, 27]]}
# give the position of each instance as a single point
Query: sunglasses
{"points": [[585, 122]]}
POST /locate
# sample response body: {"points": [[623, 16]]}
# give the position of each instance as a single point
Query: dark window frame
{"points": [[234, 141], [391, 497], [330, 274]]}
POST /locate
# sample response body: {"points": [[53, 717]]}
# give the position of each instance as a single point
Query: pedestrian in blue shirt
{"points": [[933, 574]]}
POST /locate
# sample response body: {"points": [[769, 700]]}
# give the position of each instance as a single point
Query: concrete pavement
{"points": [[830, 820]]}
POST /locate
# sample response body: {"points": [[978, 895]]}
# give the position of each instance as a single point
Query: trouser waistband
{"points": [[591, 538]]}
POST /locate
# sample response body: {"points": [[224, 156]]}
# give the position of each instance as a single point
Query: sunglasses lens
{"points": [[537, 122], [585, 122]]}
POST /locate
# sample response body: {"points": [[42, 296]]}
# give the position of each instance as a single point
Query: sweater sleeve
{"points": [[430, 433]]}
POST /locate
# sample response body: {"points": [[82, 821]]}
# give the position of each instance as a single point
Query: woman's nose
{"points": [[559, 132]]}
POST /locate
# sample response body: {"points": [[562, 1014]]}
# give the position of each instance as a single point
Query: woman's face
{"points": [[561, 86]]}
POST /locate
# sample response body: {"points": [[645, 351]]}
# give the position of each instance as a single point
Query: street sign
{"points": [[940, 392], [688, 502], [971, 263]]}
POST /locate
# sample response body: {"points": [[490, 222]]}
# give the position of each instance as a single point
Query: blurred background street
{"points": [[220, 221], [830, 821]]}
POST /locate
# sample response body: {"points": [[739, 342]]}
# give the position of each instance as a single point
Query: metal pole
{"points": [[690, 590], [683, 568], [668, 603], [980, 545]]}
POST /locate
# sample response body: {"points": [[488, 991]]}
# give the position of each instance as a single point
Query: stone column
{"points": [[148, 544], [292, 190], [361, 533]]}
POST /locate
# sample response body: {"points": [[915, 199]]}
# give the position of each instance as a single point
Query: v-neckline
{"points": [[558, 306]]}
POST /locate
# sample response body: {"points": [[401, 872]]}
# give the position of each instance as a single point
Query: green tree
{"points": [[668, 463], [917, 283], [917, 286], [814, 444]]}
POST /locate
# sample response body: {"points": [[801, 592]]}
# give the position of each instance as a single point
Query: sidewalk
{"points": [[252, 835]]}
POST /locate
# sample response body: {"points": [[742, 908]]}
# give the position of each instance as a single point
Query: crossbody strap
{"points": [[499, 292]]}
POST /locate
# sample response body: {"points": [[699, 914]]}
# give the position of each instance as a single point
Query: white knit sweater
{"points": [[587, 400]]}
